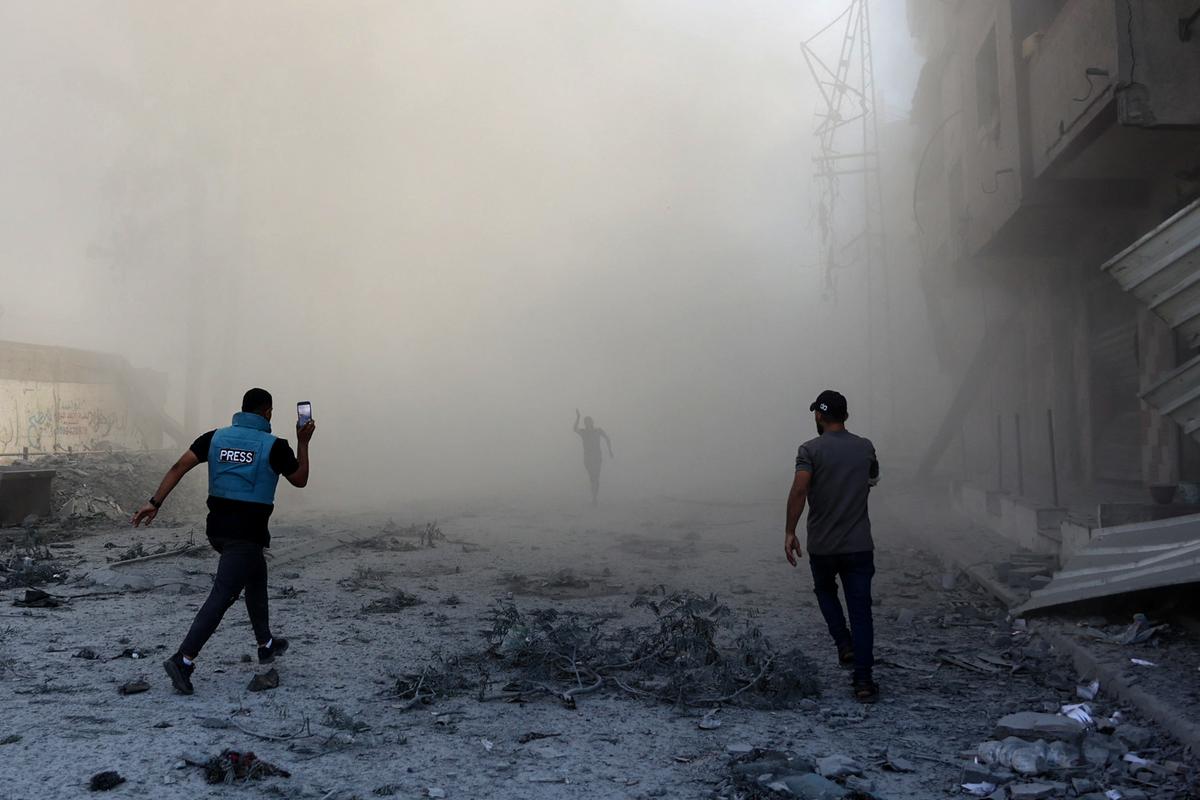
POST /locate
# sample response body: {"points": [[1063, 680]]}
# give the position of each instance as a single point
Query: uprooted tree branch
{"points": [[694, 652]]}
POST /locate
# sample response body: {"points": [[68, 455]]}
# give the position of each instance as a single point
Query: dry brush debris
{"points": [[695, 652]]}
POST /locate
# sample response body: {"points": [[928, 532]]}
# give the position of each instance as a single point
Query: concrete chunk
{"points": [[811, 786], [985, 773], [1032, 791], [1135, 737], [838, 766], [1032, 725]]}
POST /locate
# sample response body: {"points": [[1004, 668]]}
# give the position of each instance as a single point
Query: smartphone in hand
{"points": [[303, 413]]}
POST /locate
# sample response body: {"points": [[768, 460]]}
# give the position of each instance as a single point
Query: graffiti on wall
{"points": [[54, 417]]}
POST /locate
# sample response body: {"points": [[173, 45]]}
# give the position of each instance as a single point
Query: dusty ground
{"points": [[72, 722]]}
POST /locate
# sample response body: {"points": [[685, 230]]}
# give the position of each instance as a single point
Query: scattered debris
{"points": [[12, 738], [1139, 631], [392, 603], [98, 488], [563, 583], [365, 578], [36, 598], [30, 567], [838, 766], [104, 781], [87, 653], [265, 681], [533, 736], [138, 555], [134, 687], [1032, 724], [693, 654], [232, 765], [336, 718], [427, 536], [131, 652]]}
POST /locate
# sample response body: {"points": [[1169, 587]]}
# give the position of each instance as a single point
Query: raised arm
{"points": [[149, 511], [576, 420], [304, 435]]}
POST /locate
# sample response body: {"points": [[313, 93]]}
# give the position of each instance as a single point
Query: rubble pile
{"points": [[1083, 748], [407, 538], [693, 653], [235, 766], [1077, 752], [109, 487], [30, 567], [758, 774]]}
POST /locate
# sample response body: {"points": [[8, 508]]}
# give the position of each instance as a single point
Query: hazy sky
{"points": [[446, 224]]}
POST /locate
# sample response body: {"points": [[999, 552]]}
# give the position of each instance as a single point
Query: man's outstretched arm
{"points": [[797, 497], [148, 512], [576, 420], [299, 478]]}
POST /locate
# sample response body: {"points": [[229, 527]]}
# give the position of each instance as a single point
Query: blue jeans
{"points": [[856, 571]]}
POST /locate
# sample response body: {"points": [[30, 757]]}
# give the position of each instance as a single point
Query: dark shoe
{"points": [[866, 691], [846, 656], [266, 655], [180, 674]]}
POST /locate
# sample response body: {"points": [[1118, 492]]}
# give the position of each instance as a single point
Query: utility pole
{"points": [[847, 132]]}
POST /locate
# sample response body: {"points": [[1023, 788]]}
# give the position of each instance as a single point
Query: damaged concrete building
{"points": [[57, 402], [1055, 198]]}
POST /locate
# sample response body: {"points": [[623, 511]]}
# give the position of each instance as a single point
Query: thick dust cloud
{"points": [[448, 225]]}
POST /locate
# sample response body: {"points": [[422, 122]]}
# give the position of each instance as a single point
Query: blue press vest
{"points": [[239, 461]]}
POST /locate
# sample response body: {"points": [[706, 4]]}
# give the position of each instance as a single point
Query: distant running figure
{"points": [[592, 457]]}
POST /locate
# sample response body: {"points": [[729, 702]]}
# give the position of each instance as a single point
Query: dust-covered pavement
{"points": [[950, 665]]}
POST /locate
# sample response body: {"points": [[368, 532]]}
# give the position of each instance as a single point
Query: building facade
{"points": [[1050, 135]]}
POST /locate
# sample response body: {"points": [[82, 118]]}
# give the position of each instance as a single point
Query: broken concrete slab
{"points": [[974, 772], [1035, 791], [1033, 725], [811, 786], [838, 766], [1135, 737], [265, 681], [124, 579], [1123, 559]]}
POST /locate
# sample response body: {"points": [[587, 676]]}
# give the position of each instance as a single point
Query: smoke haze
{"points": [[448, 225]]}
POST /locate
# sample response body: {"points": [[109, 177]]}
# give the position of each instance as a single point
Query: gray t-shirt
{"points": [[843, 467]]}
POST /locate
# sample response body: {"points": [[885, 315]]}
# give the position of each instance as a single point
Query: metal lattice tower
{"points": [[850, 197]]}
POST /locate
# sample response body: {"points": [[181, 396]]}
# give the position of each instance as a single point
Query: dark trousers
{"points": [[242, 567], [856, 571]]}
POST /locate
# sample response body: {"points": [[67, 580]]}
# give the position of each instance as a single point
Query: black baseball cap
{"points": [[831, 403]]}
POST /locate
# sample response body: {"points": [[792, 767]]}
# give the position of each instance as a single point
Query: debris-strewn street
{"points": [[526, 652]]}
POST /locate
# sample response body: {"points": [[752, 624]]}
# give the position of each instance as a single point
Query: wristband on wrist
{"points": [[154, 502]]}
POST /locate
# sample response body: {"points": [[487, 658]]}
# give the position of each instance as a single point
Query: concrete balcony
{"points": [[1109, 87]]}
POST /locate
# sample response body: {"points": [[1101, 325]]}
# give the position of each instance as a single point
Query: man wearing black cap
{"points": [[834, 475]]}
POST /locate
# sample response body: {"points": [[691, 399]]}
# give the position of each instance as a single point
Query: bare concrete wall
{"points": [[1063, 97], [1160, 70], [53, 399]]}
